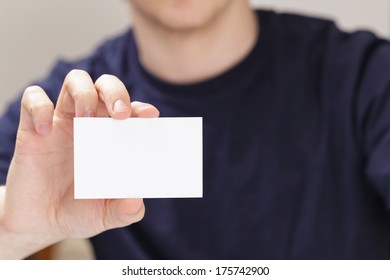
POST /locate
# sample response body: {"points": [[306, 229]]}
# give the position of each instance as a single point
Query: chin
{"points": [[183, 21], [180, 14]]}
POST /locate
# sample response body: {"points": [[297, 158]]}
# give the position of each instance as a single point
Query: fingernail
{"points": [[44, 129], [120, 106]]}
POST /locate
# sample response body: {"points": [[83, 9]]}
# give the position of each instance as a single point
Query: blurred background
{"points": [[35, 34]]}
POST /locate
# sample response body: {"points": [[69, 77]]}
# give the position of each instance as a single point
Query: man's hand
{"points": [[37, 207]]}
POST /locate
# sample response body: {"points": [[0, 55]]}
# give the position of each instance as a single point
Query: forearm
{"points": [[15, 245]]}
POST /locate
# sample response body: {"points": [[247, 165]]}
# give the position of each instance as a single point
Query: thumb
{"points": [[123, 212]]}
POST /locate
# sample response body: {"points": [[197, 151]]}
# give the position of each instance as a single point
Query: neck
{"points": [[201, 53]]}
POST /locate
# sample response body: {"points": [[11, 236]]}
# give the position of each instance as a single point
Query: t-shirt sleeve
{"points": [[373, 118], [8, 127]]}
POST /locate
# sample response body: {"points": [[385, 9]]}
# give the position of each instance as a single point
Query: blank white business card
{"points": [[137, 157]]}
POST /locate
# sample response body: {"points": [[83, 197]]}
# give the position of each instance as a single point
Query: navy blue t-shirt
{"points": [[296, 148]]}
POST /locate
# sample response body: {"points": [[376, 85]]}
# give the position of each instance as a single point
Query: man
{"points": [[296, 139]]}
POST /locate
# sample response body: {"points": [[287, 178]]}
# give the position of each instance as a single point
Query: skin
{"points": [[180, 41], [187, 41], [37, 206]]}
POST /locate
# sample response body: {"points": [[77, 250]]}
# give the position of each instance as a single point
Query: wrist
{"points": [[17, 245]]}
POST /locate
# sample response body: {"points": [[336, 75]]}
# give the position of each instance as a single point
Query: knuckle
{"points": [[34, 99], [81, 93], [75, 73], [32, 89], [78, 85], [103, 78], [37, 108], [108, 82], [30, 92]]}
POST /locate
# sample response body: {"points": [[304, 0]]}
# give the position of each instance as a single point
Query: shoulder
{"points": [[290, 23], [346, 60], [293, 33], [308, 34]]}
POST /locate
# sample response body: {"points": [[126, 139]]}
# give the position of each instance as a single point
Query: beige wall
{"points": [[34, 33]]}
